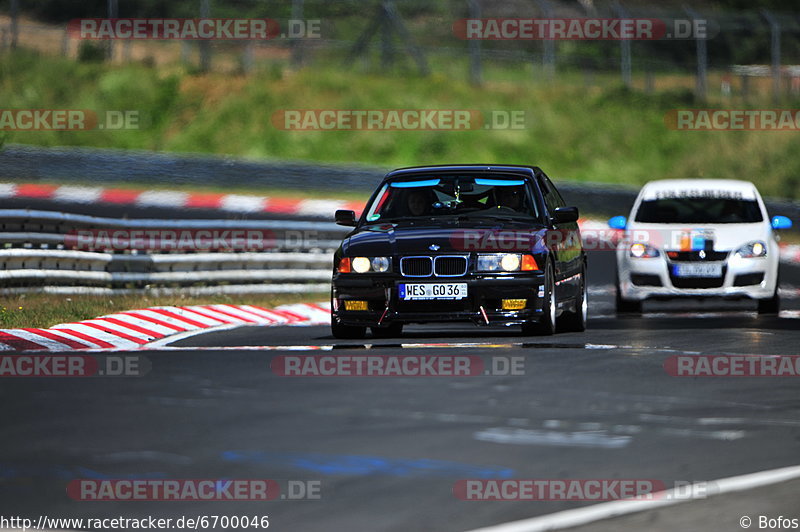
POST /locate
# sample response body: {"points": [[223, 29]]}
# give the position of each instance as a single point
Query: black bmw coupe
{"points": [[492, 245]]}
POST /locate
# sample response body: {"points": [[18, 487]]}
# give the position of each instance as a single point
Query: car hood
{"points": [[456, 236], [724, 237]]}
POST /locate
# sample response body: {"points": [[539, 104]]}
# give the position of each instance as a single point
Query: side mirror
{"points": [[618, 222], [347, 218], [565, 215], [781, 222]]}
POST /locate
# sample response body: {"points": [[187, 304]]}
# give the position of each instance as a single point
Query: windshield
{"points": [[470, 196], [699, 211]]}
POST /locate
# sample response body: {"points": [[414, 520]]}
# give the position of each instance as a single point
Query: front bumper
{"points": [[485, 293], [641, 279]]}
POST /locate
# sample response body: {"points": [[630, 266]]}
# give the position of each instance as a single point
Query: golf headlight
{"points": [[643, 251], [752, 250], [370, 264], [499, 262]]}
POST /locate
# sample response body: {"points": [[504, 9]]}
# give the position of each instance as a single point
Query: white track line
{"points": [[599, 512], [163, 342], [167, 341]]}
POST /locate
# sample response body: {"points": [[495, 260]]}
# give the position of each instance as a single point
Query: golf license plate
{"points": [[409, 291], [698, 270]]}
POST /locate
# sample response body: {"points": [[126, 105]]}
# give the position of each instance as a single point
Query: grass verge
{"points": [[46, 310], [601, 133]]}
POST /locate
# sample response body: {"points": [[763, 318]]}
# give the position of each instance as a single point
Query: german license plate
{"points": [[698, 270], [409, 291]]}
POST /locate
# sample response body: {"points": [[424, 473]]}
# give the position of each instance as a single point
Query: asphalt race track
{"points": [[387, 451]]}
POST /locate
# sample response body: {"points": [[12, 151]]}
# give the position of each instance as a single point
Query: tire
{"points": [[770, 306], [575, 321], [627, 306], [392, 331], [348, 332], [546, 324]]}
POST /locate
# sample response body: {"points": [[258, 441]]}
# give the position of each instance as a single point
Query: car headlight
{"points": [[752, 250], [361, 264], [643, 251], [380, 264], [369, 264], [506, 262]]}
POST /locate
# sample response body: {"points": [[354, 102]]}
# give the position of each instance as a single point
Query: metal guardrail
{"points": [[102, 166], [28, 218], [40, 251], [96, 165]]}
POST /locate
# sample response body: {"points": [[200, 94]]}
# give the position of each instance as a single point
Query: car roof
{"points": [[530, 171], [745, 189]]}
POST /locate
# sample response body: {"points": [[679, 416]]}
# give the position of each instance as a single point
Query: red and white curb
{"points": [[144, 327], [242, 203], [790, 253]]}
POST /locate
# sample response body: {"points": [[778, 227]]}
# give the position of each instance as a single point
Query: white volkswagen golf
{"points": [[699, 238]]}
